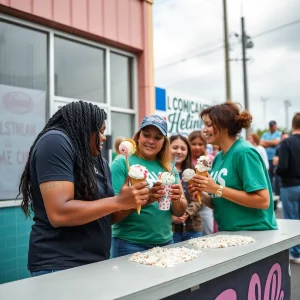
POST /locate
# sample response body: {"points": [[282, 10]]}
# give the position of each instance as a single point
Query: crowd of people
{"points": [[84, 210]]}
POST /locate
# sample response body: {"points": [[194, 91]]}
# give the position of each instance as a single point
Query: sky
{"points": [[189, 53]]}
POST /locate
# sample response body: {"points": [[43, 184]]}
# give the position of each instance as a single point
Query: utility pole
{"points": [[264, 100], [227, 66], [245, 44], [287, 104]]}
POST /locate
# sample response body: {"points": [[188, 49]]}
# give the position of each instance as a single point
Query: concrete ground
{"points": [[295, 269]]}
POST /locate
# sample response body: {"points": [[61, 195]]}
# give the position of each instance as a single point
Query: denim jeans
{"points": [[275, 179], [184, 236], [43, 272], [207, 218], [121, 247], [290, 197]]}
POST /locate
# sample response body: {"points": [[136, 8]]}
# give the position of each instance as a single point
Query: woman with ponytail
{"points": [[67, 186], [238, 188]]}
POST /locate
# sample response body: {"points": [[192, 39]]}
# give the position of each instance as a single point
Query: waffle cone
{"points": [[205, 174], [134, 181]]}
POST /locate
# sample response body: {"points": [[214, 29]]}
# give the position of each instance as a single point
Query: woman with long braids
{"points": [[67, 185]]}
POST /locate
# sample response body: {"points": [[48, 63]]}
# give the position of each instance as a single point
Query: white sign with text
{"points": [[22, 117]]}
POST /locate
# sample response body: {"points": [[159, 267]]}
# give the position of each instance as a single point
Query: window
{"points": [[79, 71], [123, 125], [23, 93], [121, 81]]}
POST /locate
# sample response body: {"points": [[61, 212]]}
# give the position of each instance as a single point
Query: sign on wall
{"points": [[22, 117], [181, 112]]}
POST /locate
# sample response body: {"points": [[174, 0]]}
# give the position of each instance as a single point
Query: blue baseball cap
{"points": [[156, 121]]}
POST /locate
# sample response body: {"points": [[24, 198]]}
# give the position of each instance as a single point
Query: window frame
{"points": [[53, 101]]}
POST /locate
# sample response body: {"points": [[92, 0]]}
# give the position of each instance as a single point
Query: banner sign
{"points": [[22, 117], [267, 279], [181, 112]]}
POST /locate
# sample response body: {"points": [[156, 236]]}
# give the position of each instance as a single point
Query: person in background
{"points": [[117, 143], [198, 141], [216, 150], [238, 188], [153, 227], [189, 225], [276, 156], [67, 185], [254, 139], [289, 170], [270, 140]]}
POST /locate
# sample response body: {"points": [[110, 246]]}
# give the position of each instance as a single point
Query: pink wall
{"points": [[115, 20], [126, 24]]}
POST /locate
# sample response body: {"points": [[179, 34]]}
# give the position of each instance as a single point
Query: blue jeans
{"points": [[121, 247], [184, 236], [290, 197], [38, 273]]}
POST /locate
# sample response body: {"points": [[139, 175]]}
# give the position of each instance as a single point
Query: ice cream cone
{"points": [[133, 145], [134, 181], [205, 174]]}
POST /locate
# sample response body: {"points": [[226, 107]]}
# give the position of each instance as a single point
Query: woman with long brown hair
{"points": [[153, 227], [238, 188], [189, 224], [198, 142]]}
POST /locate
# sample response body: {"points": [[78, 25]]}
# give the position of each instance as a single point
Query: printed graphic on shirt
{"points": [[152, 178]]}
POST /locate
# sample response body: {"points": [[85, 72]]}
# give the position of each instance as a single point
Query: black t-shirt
{"points": [[61, 248], [289, 161]]}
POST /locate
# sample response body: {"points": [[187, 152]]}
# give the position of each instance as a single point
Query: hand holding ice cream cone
{"points": [[131, 196], [137, 174], [202, 167], [187, 176]]}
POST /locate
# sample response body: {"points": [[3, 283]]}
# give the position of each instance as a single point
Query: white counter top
{"points": [[121, 279]]}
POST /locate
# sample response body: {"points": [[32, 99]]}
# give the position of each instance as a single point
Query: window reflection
{"points": [[79, 71], [23, 57], [122, 125], [121, 80]]}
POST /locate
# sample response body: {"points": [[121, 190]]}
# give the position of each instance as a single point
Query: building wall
{"points": [[14, 234], [125, 24]]}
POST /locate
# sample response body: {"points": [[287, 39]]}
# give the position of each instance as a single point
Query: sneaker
{"points": [[294, 260]]}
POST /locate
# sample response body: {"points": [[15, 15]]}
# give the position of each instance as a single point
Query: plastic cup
{"points": [[165, 202]]}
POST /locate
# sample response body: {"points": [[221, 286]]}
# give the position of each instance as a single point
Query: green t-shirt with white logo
{"points": [[242, 168], [152, 226]]}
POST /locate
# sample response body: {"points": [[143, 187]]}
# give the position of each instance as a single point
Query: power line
{"points": [[190, 57], [201, 54], [275, 29]]}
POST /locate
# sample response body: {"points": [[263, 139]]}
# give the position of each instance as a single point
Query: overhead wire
{"points": [[204, 53]]}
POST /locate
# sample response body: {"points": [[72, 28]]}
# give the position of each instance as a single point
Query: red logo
{"points": [[18, 102]]}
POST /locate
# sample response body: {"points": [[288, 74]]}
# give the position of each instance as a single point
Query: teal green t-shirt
{"points": [[242, 168], [152, 226]]}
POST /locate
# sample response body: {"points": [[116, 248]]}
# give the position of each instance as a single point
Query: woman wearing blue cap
{"points": [[153, 227]]}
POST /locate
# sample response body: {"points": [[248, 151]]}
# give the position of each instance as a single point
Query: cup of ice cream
{"points": [[167, 179]]}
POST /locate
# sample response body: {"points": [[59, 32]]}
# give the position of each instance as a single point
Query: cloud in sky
{"points": [[191, 32]]}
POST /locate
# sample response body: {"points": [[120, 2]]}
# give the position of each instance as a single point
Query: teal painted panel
{"points": [[11, 275], [11, 241], [14, 238]]}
